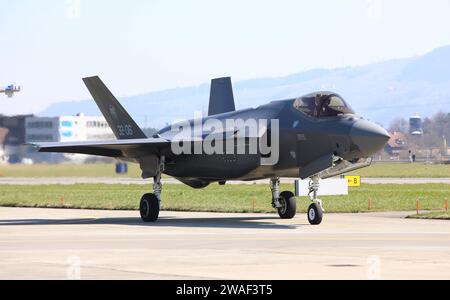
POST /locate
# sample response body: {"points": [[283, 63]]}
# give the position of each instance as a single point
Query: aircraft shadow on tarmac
{"points": [[232, 222]]}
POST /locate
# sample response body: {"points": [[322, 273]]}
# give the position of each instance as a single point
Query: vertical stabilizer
{"points": [[221, 99], [117, 117]]}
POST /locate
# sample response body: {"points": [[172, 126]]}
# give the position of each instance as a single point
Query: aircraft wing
{"points": [[132, 148]]}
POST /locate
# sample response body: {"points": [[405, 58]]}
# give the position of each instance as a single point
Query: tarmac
{"points": [[82, 244]]}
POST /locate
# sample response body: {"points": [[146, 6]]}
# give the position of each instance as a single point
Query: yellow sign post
{"points": [[353, 181]]}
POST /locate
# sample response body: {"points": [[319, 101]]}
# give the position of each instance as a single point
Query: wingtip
{"points": [[33, 146]]}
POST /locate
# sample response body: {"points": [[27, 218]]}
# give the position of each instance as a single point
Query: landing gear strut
{"points": [[315, 210], [151, 203], [284, 202]]}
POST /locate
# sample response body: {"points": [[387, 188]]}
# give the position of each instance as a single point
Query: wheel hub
{"points": [[312, 214], [283, 207]]}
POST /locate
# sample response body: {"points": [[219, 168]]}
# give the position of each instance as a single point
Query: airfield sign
{"points": [[353, 181]]}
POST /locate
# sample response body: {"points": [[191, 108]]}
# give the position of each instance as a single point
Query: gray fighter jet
{"points": [[316, 136]]}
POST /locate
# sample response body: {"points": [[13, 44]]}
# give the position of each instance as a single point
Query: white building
{"points": [[67, 129], [2, 154], [3, 133]]}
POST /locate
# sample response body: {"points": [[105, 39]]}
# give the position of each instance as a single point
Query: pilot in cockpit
{"points": [[321, 105]]}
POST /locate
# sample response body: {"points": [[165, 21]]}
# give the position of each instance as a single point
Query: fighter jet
{"points": [[10, 90], [314, 137]]}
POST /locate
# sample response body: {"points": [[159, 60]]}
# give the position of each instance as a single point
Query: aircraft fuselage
{"points": [[302, 139]]}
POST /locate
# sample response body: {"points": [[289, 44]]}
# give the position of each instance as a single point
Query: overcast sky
{"points": [[138, 46]]}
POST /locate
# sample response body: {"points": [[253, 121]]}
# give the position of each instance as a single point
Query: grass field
{"points": [[236, 198], [66, 170], [398, 170], [440, 215], [405, 170]]}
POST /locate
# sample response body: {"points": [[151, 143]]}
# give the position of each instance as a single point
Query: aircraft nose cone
{"points": [[369, 137]]}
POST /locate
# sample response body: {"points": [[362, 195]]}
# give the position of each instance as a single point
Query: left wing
{"points": [[133, 149]]}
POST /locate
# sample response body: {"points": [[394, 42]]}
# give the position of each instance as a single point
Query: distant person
{"points": [[413, 158]]}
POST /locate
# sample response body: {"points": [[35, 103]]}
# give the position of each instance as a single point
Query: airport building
{"points": [[15, 131], [396, 145], [3, 134], [13, 137], [65, 129]]}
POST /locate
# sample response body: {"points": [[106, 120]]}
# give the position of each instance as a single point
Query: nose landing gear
{"points": [[315, 210]]}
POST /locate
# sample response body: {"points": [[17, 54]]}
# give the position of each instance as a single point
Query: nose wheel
{"points": [[315, 214]]}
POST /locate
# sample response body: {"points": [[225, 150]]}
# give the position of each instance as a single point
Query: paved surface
{"points": [[61, 244], [126, 180]]}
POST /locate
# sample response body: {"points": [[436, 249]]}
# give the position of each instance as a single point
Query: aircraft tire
{"points": [[149, 208], [289, 209], [315, 214]]}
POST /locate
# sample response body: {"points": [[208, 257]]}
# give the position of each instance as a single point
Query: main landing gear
{"points": [[286, 204], [151, 203]]}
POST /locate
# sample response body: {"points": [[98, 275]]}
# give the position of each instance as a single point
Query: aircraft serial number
{"points": [[125, 130]]}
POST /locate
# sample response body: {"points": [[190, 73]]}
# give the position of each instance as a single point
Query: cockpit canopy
{"points": [[322, 105]]}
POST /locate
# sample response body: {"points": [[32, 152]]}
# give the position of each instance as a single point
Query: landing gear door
{"points": [[316, 166]]}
